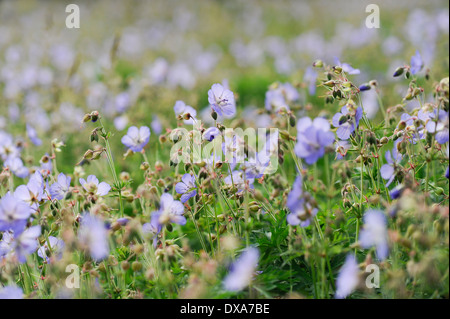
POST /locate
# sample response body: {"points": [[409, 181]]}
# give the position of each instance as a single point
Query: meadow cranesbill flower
{"points": [[388, 171], [256, 165], [26, 243], [13, 213], [52, 247], [310, 78], [32, 135], [346, 121], [8, 149], [33, 192], [222, 100], [438, 124], [242, 270], [416, 63], [136, 138], [60, 188], [156, 125], [183, 110], [6, 244], [397, 191], [233, 149], [171, 211], [348, 278], [312, 138], [120, 122], [93, 236], [408, 124], [301, 211], [11, 292], [153, 228], [342, 148], [211, 133], [186, 187], [347, 68], [280, 96], [16, 166], [239, 180], [374, 233], [92, 186]]}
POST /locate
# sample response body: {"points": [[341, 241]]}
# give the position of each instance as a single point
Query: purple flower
{"points": [[301, 211], [341, 149], [52, 247], [94, 236], [16, 166], [256, 166], [211, 133], [237, 180], [33, 192], [242, 270], [92, 186], [416, 63], [438, 125], [13, 213], [32, 135], [8, 148], [393, 159], [136, 138], [312, 138], [171, 211], [397, 191], [374, 233], [156, 125], [348, 277], [6, 244], [26, 243], [182, 109], [278, 98], [346, 121], [153, 228], [60, 188], [310, 78], [346, 67], [11, 292], [186, 187], [222, 100]]}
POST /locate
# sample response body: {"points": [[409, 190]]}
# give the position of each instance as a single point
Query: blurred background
{"points": [[132, 60]]}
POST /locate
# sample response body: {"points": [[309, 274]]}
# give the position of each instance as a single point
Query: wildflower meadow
{"points": [[224, 150]]}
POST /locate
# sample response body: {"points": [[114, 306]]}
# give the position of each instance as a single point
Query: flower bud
{"points": [[159, 166], [144, 166], [337, 69], [94, 116], [86, 118], [136, 266], [89, 154], [125, 265], [399, 71], [292, 120], [318, 64], [364, 87]]}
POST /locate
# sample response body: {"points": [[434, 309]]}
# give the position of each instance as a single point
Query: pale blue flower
{"points": [[348, 277], [136, 138], [242, 270]]}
